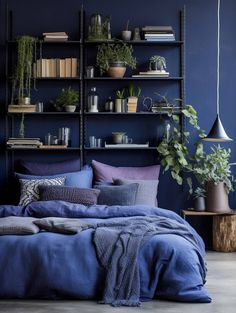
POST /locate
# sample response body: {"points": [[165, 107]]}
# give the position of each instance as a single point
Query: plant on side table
{"points": [[114, 58], [211, 171], [68, 99]]}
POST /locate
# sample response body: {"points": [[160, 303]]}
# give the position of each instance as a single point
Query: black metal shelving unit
{"points": [[11, 117], [177, 44], [83, 116]]}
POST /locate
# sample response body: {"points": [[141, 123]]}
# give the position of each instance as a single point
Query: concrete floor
{"points": [[221, 284]]}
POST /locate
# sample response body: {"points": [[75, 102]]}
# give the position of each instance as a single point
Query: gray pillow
{"points": [[147, 190], [30, 188], [62, 225], [17, 225], [117, 195], [86, 196]]}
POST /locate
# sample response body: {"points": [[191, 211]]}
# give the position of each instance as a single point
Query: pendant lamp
{"points": [[217, 132]]}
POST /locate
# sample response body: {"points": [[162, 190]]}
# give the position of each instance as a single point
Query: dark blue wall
{"points": [[34, 17]]}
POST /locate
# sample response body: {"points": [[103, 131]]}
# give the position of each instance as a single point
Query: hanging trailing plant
{"points": [[22, 126], [26, 55]]}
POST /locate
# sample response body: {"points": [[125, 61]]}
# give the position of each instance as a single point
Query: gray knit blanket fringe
{"points": [[118, 242]]}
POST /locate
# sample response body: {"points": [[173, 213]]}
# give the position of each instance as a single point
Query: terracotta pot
{"points": [[199, 204], [117, 69], [217, 198]]}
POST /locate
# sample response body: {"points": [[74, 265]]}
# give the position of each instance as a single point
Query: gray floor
{"points": [[221, 285]]}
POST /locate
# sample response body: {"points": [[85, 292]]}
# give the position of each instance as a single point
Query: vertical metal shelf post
{"points": [[81, 69], [182, 64]]}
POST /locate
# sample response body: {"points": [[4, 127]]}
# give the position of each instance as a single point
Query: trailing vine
{"points": [[26, 55], [22, 126]]}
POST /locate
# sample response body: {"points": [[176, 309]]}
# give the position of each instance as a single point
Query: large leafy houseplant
{"points": [[117, 52], [176, 156]]}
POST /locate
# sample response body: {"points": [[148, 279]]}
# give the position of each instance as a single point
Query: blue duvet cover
{"points": [[54, 266]]}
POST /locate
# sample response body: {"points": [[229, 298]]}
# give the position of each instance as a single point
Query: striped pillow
{"points": [[30, 188]]}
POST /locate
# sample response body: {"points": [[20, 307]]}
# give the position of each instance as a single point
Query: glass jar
{"points": [[93, 100]]}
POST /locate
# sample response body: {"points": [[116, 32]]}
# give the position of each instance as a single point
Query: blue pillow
{"points": [[81, 179], [37, 168], [117, 195]]}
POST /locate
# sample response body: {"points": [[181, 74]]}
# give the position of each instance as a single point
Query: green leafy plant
{"points": [[215, 167], [120, 94], [26, 55], [199, 192], [157, 62], [68, 96], [176, 156], [132, 92], [118, 52]]}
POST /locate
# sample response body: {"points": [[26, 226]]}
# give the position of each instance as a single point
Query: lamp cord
{"points": [[218, 62]]}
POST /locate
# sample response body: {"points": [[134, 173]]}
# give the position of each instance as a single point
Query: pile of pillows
{"points": [[99, 184]]}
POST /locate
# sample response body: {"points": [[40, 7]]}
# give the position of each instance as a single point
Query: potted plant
{"points": [[126, 34], [26, 51], [215, 173], [157, 63], [211, 171], [120, 101], [199, 196], [68, 99], [133, 95], [114, 58]]}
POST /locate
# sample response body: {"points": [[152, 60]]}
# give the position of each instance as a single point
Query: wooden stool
{"points": [[224, 233]]}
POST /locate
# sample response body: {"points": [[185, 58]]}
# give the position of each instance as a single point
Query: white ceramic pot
{"points": [[126, 35], [70, 108]]}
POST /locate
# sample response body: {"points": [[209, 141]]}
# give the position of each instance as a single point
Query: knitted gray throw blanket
{"points": [[117, 245]]}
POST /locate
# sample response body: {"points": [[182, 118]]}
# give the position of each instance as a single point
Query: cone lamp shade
{"points": [[217, 132]]}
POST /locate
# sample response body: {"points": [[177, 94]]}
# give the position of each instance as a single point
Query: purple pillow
{"points": [[70, 194], [35, 168], [104, 172]]}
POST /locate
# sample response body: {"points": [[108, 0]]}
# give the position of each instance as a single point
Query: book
{"points": [[55, 34], [21, 108], [74, 67], [55, 39], [152, 75], [52, 146], [153, 72], [127, 145], [158, 28], [23, 146], [62, 68], [68, 67]]}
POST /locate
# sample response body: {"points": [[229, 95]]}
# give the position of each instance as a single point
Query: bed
{"points": [[57, 265]]}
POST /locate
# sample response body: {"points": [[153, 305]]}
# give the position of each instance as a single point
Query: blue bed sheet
{"points": [[54, 266]]}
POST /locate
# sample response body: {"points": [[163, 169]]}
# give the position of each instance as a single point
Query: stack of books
{"points": [[19, 108], [68, 67], [55, 36], [24, 143], [157, 73], [158, 33]]}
